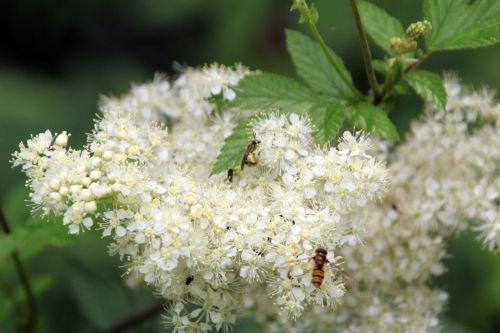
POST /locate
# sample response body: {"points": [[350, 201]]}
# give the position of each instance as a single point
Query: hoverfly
{"points": [[318, 271], [250, 158], [317, 265]]}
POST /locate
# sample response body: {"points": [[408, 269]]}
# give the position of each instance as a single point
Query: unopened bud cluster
{"points": [[418, 29], [308, 13], [401, 46]]}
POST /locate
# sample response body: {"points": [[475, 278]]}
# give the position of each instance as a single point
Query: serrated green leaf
{"points": [[232, 151], [387, 105], [327, 120], [265, 91], [429, 86], [43, 232], [314, 68], [380, 25], [373, 120], [33, 236], [457, 24]]}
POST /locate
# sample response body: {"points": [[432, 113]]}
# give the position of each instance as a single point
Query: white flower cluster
{"points": [[444, 178], [451, 164], [412, 310], [201, 240]]}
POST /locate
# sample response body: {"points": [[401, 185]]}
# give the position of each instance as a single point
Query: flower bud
{"points": [[95, 174], [54, 184], [74, 189], [55, 196], [107, 155], [62, 139], [418, 29], [86, 181], [86, 194], [81, 168], [90, 207], [87, 222], [95, 161], [63, 190], [401, 46]]}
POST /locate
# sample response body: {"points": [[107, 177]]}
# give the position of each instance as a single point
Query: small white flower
{"points": [[62, 139]]}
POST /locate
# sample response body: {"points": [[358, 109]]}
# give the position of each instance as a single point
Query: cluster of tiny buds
{"points": [[401, 46], [418, 29]]}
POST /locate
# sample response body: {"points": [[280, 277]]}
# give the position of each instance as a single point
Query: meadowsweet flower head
{"points": [[198, 239], [444, 179], [216, 248]]}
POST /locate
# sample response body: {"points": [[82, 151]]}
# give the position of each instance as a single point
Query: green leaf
{"points": [[373, 120], [457, 24], [34, 235], [380, 25], [429, 86], [39, 284], [381, 66], [387, 105], [402, 88], [327, 120], [264, 91], [96, 295], [7, 245], [14, 204], [314, 68], [232, 151], [38, 233]]}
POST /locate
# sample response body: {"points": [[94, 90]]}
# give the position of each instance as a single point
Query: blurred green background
{"points": [[58, 57]]}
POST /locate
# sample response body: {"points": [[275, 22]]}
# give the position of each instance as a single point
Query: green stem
{"points": [[332, 61], [10, 295], [367, 55], [139, 317], [30, 321]]}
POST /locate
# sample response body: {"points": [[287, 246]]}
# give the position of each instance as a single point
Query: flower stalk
{"points": [[29, 320], [139, 317], [309, 15], [365, 48], [324, 47]]}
